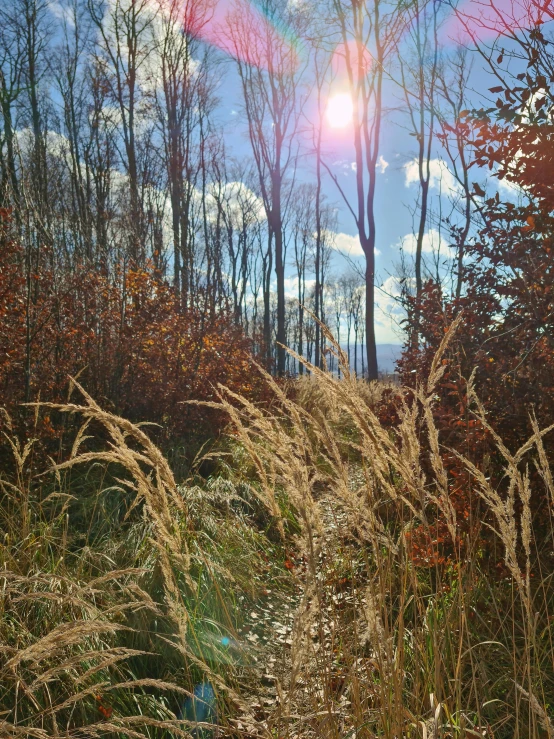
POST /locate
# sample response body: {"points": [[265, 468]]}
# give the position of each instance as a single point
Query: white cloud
{"points": [[385, 297], [62, 13], [510, 190], [382, 164], [348, 245], [346, 166], [158, 26], [530, 107], [237, 201], [297, 6], [388, 312], [432, 242], [411, 172], [57, 145], [291, 286], [440, 176]]}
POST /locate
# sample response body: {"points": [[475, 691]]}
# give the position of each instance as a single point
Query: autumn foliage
{"points": [[127, 337], [503, 347]]}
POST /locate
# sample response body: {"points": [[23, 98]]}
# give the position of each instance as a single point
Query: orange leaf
{"points": [[106, 711]]}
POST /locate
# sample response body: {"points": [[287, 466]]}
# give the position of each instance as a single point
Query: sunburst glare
{"points": [[339, 110]]}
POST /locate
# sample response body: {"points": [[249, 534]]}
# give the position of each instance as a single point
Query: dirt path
{"points": [[298, 668]]}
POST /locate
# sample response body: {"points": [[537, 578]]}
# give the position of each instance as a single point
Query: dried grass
{"points": [[379, 647], [403, 652]]}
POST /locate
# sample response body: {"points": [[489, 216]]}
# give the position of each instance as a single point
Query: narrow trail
{"points": [[298, 672]]}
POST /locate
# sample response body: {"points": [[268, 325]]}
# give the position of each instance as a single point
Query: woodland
{"points": [[218, 517]]}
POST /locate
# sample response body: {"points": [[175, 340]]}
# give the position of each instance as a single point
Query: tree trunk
{"points": [[280, 275], [371, 346]]}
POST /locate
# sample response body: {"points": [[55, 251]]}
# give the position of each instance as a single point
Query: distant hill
{"points": [[387, 354]]}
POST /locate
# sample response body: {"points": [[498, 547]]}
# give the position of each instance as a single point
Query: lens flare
{"points": [[239, 28], [340, 110]]}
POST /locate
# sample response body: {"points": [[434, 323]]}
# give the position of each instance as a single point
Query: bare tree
{"points": [[178, 98], [453, 84], [124, 47], [375, 25], [418, 81], [271, 77], [68, 67], [303, 228], [12, 56]]}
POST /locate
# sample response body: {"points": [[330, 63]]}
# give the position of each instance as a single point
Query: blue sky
{"points": [[395, 199], [397, 189]]}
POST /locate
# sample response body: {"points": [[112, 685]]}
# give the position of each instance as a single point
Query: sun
{"points": [[339, 110]]}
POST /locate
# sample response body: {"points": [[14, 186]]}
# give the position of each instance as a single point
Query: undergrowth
{"points": [[121, 589]]}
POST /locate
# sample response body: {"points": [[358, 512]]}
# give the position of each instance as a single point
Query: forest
{"points": [[221, 513]]}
